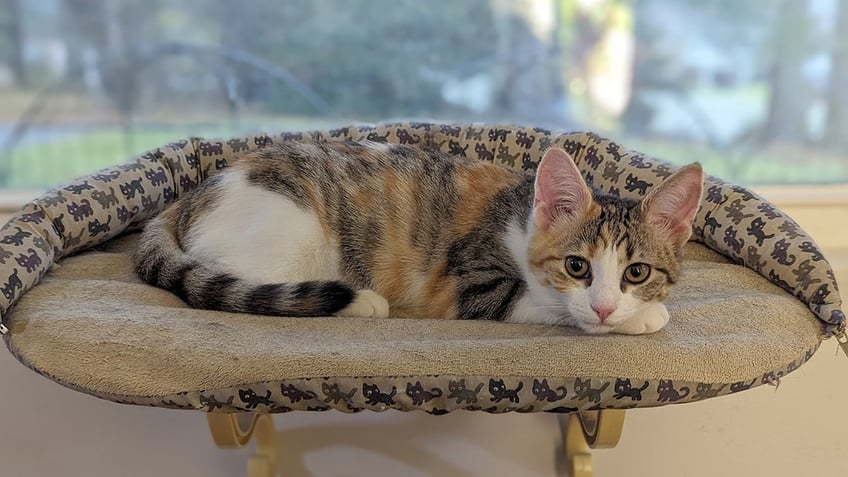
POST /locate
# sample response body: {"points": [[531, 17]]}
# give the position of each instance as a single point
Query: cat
{"points": [[499, 392], [543, 391], [252, 399], [419, 395], [741, 386], [623, 388], [373, 396], [335, 394], [459, 392], [296, 395], [358, 228], [666, 391], [706, 391], [583, 390]]}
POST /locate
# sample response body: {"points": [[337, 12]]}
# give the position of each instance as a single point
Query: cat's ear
{"points": [[560, 189], [672, 205]]}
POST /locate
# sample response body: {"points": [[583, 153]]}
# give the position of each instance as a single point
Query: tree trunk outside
{"points": [[531, 80], [789, 93], [836, 134], [14, 34]]}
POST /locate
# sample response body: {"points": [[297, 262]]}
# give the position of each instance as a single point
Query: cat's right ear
{"points": [[560, 190]]}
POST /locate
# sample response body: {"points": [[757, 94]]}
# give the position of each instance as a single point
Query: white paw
{"points": [[653, 319], [367, 304]]}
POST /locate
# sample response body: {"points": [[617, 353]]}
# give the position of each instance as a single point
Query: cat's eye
{"points": [[637, 273], [577, 267]]}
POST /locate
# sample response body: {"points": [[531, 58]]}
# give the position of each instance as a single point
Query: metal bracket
{"points": [[842, 339], [589, 430], [234, 431], [581, 432]]}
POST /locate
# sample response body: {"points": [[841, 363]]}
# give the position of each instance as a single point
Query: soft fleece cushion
{"points": [[90, 324]]}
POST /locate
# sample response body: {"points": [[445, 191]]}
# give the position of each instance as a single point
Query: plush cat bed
{"points": [[754, 302]]}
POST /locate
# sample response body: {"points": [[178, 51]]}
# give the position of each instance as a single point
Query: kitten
{"points": [[356, 228]]}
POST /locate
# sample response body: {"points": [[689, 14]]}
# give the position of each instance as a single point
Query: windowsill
{"points": [[11, 201], [805, 195], [822, 211]]}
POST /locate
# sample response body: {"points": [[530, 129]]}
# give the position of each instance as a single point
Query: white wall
{"points": [[797, 429]]}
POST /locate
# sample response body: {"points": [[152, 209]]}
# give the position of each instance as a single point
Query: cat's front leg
{"points": [[652, 319]]}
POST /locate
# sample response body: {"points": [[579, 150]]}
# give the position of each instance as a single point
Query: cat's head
{"points": [[540, 386], [247, 395], [414, 389], [599, 259], [580, 385]]}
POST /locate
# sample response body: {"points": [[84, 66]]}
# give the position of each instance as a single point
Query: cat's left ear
{"points": [[672, 205], [560, 190]]}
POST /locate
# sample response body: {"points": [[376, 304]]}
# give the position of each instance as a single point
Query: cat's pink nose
{"points": [[603, 312]]}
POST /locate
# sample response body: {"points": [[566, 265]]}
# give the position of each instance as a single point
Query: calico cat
{"points": [[358, 228]]}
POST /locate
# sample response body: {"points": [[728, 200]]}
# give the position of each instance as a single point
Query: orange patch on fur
{"points": [[476, 186], [394, 267], [439, 293]]}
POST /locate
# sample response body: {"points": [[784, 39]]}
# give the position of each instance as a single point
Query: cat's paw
{"points": [[367, 304], [653, 319]]}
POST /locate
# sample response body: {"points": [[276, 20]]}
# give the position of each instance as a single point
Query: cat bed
{"points": [[755, 300]]}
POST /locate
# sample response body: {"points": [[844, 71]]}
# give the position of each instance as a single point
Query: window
{"points": [[751, 90]]}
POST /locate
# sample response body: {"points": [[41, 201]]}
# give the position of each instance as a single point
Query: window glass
{"points": [[752, 89]]}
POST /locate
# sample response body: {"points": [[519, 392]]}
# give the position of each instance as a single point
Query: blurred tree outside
{"points": [[12, 42], [788, 44], [709, 80], [836, 136]]}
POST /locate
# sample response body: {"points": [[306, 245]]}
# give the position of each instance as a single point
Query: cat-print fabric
{"points": [[444, 394], [731, 220]]}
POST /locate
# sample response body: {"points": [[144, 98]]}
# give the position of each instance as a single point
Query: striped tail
{"points": [[160, 261]]}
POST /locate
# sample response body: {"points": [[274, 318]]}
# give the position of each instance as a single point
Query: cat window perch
{"points": [[756, 298]]}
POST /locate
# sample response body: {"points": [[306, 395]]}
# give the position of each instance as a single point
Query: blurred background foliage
{"points": [[751, 88]]}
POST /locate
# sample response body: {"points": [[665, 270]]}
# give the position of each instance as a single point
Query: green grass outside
{"points": [[52, 163], [771, 165], [46, 165], [38, 166]]}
